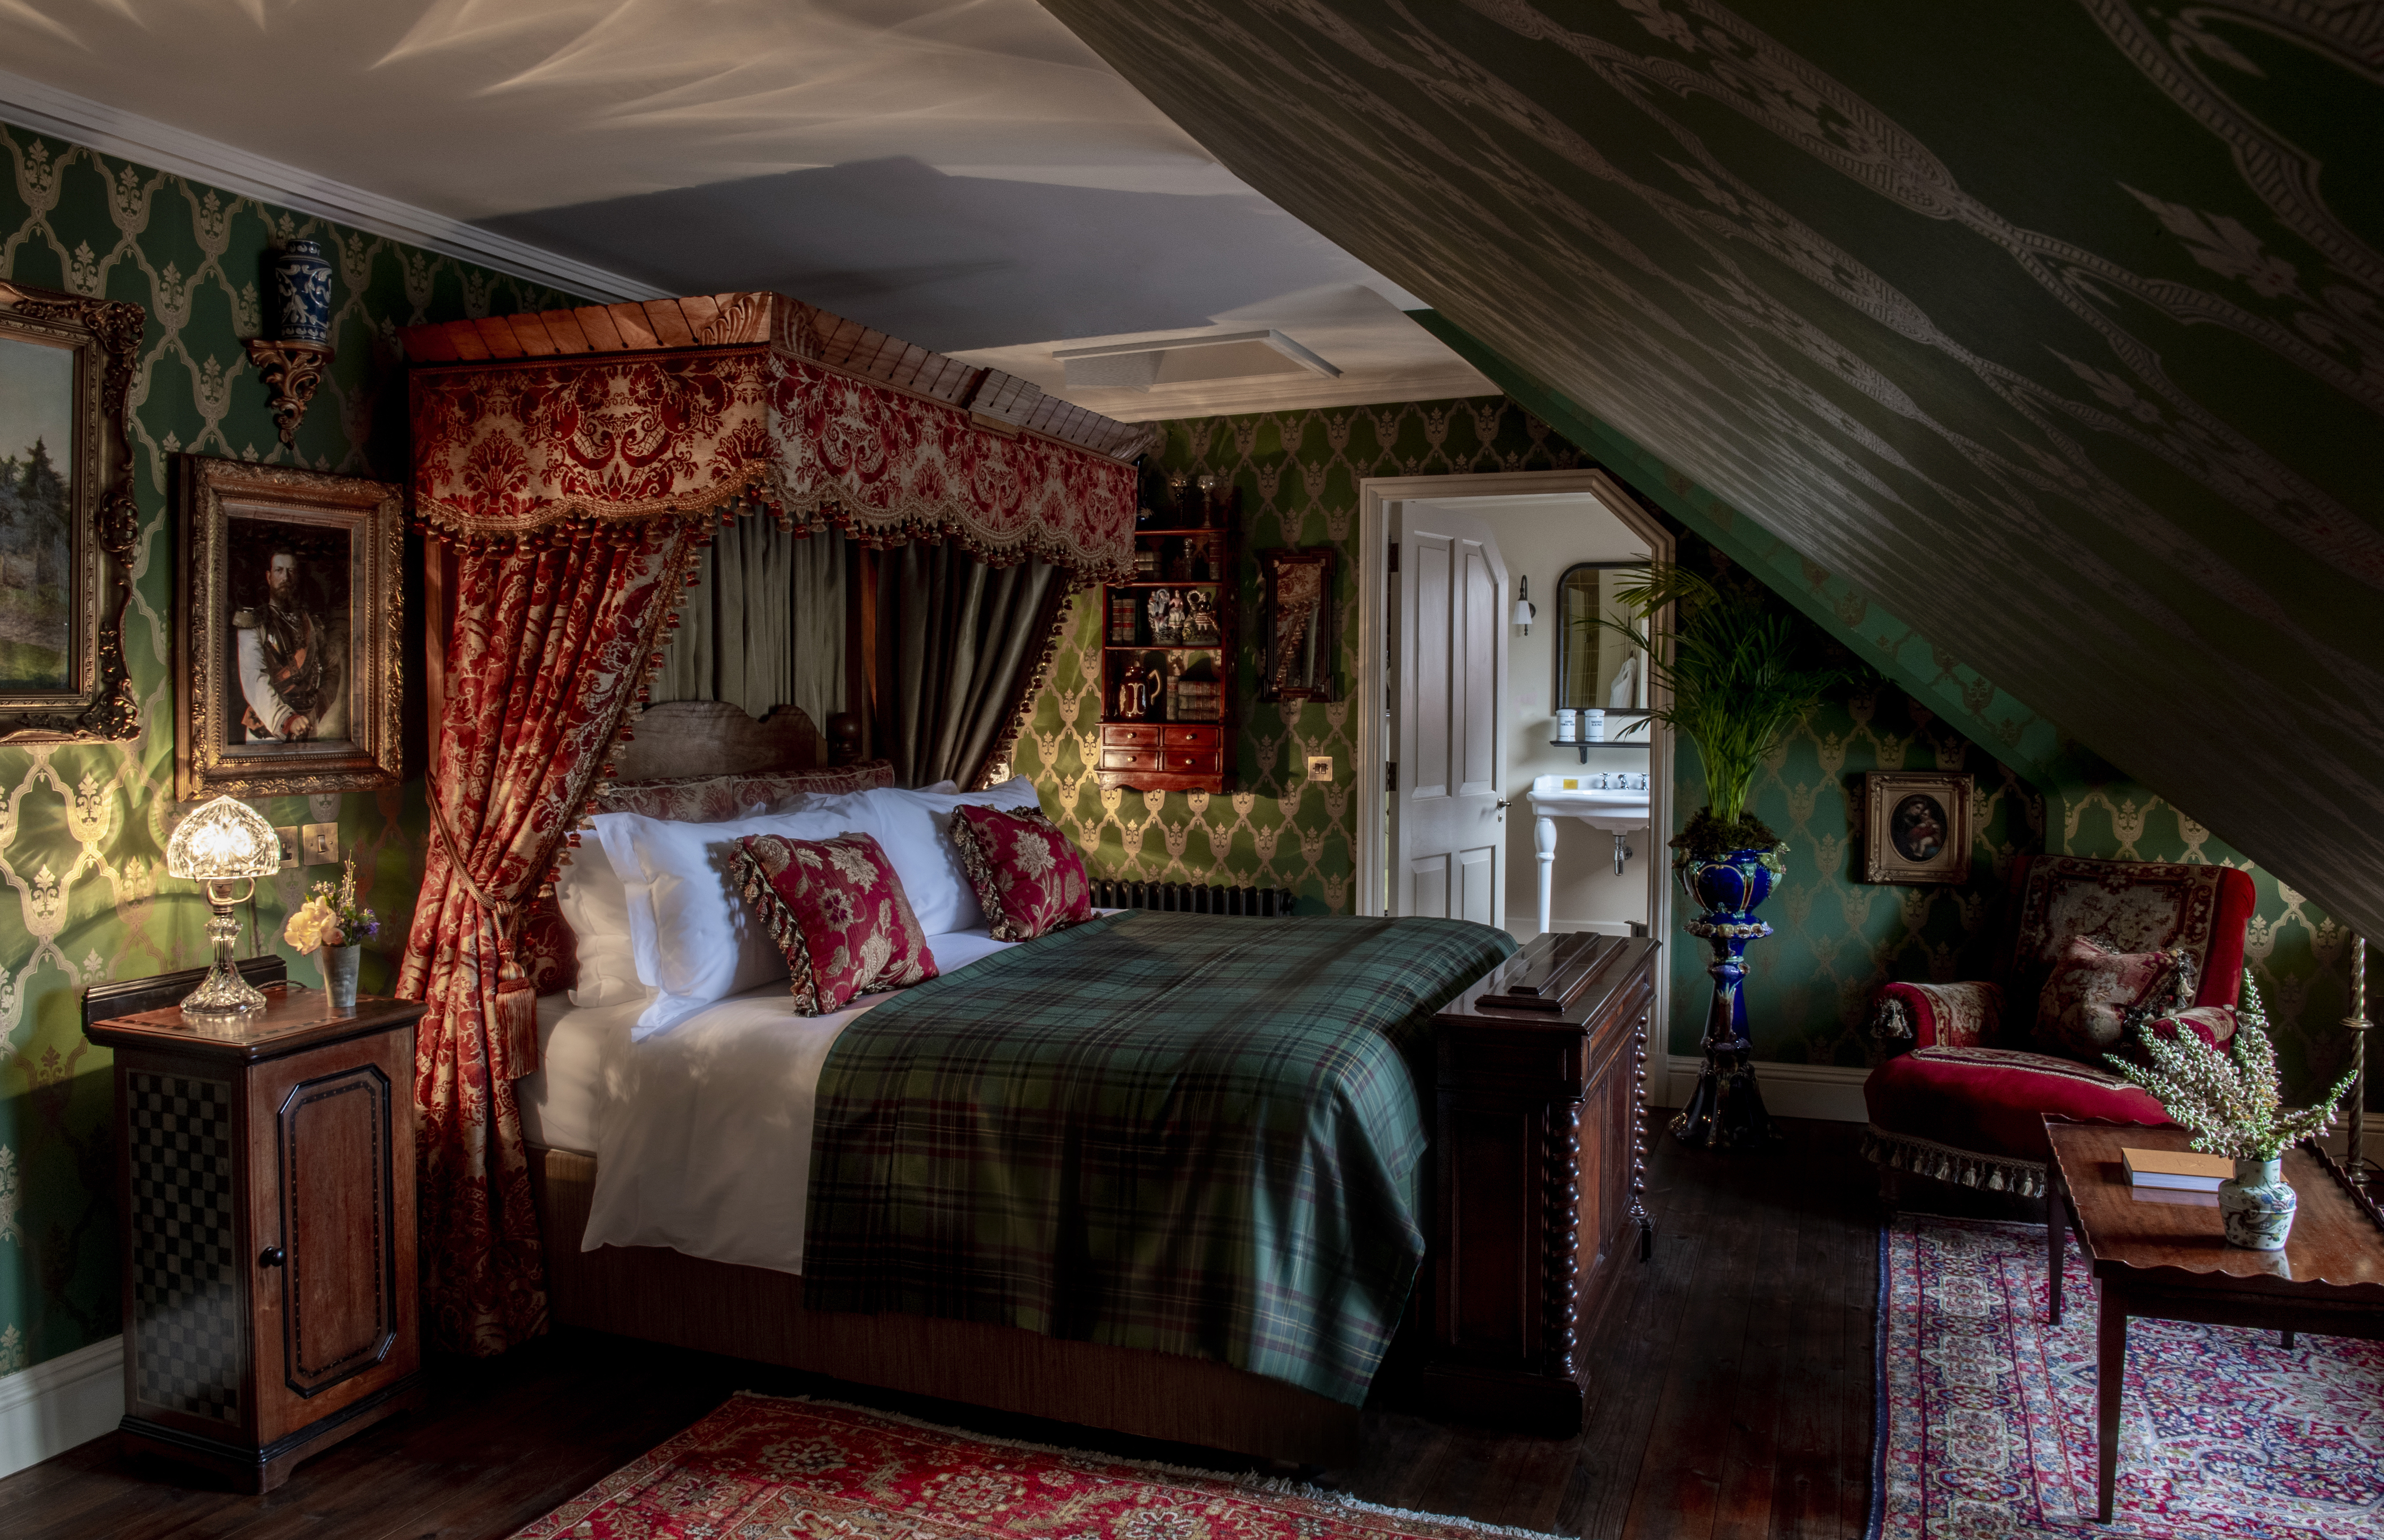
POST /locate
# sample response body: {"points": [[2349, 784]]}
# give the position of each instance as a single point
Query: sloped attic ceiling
{"points": [[2059, 328]]}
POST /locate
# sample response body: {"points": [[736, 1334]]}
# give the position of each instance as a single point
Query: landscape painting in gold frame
{"points": [[66, 516], [292, 621]]}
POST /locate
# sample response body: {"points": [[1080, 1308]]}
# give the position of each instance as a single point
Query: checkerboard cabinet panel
{"points": [[267, 1183]]}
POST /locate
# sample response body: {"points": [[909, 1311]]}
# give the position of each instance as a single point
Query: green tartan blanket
{"points": [[1179, 1132]]}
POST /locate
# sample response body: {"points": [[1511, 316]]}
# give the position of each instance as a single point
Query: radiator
{"points": [[1184, 898]]}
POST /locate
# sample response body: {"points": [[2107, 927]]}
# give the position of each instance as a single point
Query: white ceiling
{"points": [[963, 174]]}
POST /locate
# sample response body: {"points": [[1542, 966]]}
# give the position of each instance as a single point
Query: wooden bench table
{"points": [[2170, 1261]]}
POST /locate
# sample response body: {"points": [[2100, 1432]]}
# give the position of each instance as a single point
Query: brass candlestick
{"points": [[2355, 1162]]}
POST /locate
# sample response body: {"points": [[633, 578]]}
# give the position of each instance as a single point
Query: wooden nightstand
{"points": [[267, 1184]]}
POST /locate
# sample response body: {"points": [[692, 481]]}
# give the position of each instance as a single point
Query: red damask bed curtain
{"points": [[571, 464]]}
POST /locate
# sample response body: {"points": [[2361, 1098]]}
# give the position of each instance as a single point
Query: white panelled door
{"points": [[1447, 835]]}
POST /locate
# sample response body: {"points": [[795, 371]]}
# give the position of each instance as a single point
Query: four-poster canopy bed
{"points": [[569, 467]]}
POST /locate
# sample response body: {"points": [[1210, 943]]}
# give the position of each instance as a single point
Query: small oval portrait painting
{"points": [[1917, 827]]}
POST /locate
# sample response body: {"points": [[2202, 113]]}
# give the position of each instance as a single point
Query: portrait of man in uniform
{"points": [[290, 626]]}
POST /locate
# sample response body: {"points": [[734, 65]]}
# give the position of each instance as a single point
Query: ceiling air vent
{"points": [[1187, 360]]}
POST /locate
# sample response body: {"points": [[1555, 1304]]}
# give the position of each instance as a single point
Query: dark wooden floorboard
{"points": [[1732, 1401]]}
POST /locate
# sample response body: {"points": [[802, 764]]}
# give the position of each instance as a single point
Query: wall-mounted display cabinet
{"points": [[1167, 652]]}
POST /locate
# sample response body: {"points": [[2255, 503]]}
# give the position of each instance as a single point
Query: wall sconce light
{"points": [[1525, 609]]}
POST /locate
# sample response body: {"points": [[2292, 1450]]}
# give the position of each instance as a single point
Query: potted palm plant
{"points": [[1729, 682]]}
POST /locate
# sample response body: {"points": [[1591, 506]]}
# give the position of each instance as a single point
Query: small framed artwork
{"points": [[293, 619], [1916, 827], [66, 518], [1300, 645]]}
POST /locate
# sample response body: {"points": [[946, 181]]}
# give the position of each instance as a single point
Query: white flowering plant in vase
{"points": [[330, 916], [2231, 1101]]}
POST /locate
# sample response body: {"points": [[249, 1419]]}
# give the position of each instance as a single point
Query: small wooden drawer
{"points": [[1192, 738], [1199, 761], [1129, 759], [1129, 735]]}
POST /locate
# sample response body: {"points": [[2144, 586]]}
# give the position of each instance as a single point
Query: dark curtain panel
{"points": [[957, 642]]}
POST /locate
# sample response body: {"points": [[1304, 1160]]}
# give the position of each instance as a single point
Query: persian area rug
{"points": [[765, 1466], [1987, 1415]]}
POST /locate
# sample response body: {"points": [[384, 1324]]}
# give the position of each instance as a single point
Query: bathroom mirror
{"points": [[1595, 666]]}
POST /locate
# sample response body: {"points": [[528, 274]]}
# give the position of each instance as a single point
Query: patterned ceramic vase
{"points": [[2257, 1204], [302, 292], [1726, 1109], [339, 975]]}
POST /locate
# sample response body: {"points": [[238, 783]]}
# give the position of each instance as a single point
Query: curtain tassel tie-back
{"points": [[517, 998]]}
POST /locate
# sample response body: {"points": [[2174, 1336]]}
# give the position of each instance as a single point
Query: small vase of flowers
{"points": [[331, 921], [2231, 1101]]}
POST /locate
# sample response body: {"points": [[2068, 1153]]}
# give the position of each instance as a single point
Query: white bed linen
{"points": [[702, 1132]]}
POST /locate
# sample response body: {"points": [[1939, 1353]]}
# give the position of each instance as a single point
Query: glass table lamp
{"points": [[224, 842]]}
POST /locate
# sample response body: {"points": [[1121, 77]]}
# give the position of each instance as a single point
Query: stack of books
{"points": [[1121, 617], [2176, 1170], [1194, 701]]}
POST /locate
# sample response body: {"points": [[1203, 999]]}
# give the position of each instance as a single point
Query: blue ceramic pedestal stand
{"points": [[1726, 1109]]}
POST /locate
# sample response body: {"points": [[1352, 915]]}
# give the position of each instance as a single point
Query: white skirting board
{"points": [[1829, 1092], [59, 1403]]}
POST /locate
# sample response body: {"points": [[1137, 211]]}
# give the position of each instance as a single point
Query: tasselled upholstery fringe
{"points": [[1943, 1162]]}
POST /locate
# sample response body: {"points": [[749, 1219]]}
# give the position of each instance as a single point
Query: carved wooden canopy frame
{"points": [[104, 337]]}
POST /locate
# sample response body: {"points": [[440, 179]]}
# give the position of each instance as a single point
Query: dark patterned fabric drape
{"points": [[552, 639]]}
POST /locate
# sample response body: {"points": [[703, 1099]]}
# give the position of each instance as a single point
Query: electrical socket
{"points": [[288, 835], [322, 844], [1320, 767]]}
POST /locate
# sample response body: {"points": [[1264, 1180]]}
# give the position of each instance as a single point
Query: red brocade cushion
{"points": [[2096, 997], [837, 910], [1994, 1100], [1029, 878]]}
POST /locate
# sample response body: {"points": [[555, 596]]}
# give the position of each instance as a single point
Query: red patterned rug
{"points": [[762, 1466], [1987, 1414]]}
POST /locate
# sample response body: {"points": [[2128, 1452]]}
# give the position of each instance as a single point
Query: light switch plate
{"points": [[322, 842], [1320, 767], [288, 835]]}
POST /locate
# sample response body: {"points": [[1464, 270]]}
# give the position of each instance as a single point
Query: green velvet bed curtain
{"points": [[764, 624], [958, 647]]}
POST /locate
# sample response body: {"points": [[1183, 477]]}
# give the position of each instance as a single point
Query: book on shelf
{"points": [[2177, 1170], [1121, 617], [1194, 701]]}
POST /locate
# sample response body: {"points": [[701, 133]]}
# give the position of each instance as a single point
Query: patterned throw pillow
{"points": [[1028, 876], [837, 909], [2096, 999]]}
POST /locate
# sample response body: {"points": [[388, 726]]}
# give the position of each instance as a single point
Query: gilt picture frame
{"points": [[291, 631], [1300, 645], [67, 521], [1916, 827]]}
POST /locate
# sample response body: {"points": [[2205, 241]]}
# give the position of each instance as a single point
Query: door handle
{"points": [[1503, 805], [269, 1257]]}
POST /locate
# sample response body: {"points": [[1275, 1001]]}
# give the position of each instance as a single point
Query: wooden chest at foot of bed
{"points": [[1541, 1174]]}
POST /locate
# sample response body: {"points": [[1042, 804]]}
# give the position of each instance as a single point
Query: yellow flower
{"points": [[304, 928]]}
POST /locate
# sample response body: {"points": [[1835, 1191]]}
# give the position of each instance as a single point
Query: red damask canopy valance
{"points": [[633, 412]]}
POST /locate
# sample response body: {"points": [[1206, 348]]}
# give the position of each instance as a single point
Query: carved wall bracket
{"points": [[291, 371]]}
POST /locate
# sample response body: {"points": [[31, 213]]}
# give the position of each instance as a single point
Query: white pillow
{"points": [[705, 944], [595, 903], [915, 828]]}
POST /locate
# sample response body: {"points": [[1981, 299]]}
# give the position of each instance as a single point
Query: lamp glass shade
{"points": [[222, 841]]}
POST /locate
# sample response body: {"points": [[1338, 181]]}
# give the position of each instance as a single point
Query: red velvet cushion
{"points": [[2096, 997], [1029, 878], [1993, 1100], [548, 952], [837, 910]]}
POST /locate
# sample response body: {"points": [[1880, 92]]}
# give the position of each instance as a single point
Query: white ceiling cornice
{"points": [[62, 115]]}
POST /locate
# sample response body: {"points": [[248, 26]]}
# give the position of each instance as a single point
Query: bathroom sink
{"points": [[1573, 797]]}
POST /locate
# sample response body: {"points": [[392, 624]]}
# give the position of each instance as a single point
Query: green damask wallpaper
{"points": [[1299, 474], [82, 828], [1836, 938]]}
